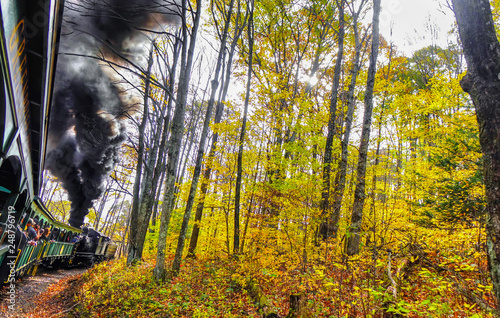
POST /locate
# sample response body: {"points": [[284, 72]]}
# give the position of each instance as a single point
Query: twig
{"points": [[393, 283]]}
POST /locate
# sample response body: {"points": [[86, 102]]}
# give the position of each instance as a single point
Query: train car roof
{"points": [[42, 209]]}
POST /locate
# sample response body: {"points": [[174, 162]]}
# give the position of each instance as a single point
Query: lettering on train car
{"points": [[18, 61]]}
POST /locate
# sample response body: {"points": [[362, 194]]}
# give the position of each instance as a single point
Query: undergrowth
{"points": [[426, 280]]}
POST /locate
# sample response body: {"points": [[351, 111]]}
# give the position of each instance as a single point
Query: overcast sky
{"points": [[409, 18]]}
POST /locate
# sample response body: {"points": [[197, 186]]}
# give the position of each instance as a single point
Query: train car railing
{"points": [[29, 255], [47, 250], [57, 249]]}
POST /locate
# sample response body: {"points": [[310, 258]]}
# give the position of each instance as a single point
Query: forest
{"points": [[285, 159]]}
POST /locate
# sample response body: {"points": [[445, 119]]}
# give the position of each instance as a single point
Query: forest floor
{"points": [[447, 276], [424, 284], [50, 293]]}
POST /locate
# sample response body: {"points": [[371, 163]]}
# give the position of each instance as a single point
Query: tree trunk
{"points": [[340, 176], [326, 228], [201, 148], [109, 215], [373, 192], [127, 225], [102, 203], [115, 222], [206, 178], [135, 248], [242, 135], [482, 82], [215, 137], [176, 134], [249, 208], [359, 193], [154, 161], [151, 171], [169, 84]]}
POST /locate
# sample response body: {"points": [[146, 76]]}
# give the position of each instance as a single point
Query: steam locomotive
{"points": [[65, 247]]}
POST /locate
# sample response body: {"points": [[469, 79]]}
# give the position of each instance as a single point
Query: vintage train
{"points": [[29, 41], [65, 246]]}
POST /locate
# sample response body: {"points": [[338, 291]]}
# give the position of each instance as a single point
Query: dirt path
{"points": [[48, 294]]}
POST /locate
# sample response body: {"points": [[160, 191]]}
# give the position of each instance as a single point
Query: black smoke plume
{"points": [[86, 125]]}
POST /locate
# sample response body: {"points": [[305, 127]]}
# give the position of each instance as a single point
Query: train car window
{"points": [[20, 205], [6, 119], [10, 179], [26, 216], [10, 175], [19, 208], [57, 234]]}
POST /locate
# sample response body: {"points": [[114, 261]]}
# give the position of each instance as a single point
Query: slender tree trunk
{"points": [[176, 134], [373, 193], [148, 186], [183, 163], [108, 216], [154, 217], [482, 82], [115, 222], [204, 184], [237, 194], [99, 211], [135, 246], [201, 202], [326, 228], [154, 160], [169, 83], [340, 176], [201, 148], [249, 208], [359, 192], [215, 137], [49, 200], [127, 225]]}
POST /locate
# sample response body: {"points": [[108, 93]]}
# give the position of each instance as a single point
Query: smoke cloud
{"points": [[86, 125]]}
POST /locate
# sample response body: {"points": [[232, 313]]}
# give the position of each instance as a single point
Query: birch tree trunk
{"points": [[482, 82], [340, 176], [237, 194], [201, 147], [169, 83], [359, 192], [135, 248], [326, 227], [219, 110], [176, 133], [204, 187]]}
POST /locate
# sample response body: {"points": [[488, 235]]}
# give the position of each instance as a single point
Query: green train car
{"points": [[57, 251], [29, 40], [29, 33], [66, 246]]}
